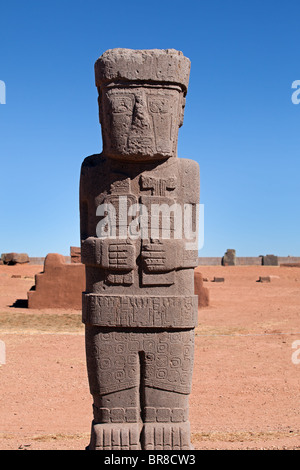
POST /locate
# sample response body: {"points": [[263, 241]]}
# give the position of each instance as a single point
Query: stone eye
{"points": [[121, 105], [158, 105]]}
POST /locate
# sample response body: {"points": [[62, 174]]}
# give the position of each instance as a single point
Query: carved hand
{"points": [[159, 256], [116, 255]]}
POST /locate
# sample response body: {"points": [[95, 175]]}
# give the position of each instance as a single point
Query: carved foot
{"points": [[166, 436], [119, 436]]}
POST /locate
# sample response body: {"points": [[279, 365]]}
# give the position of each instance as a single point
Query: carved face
{"points": [[140, 122]]}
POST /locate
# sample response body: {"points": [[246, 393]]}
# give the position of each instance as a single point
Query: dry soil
{"points": [[246, 376]]}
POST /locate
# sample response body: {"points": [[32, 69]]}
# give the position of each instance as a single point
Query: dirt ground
{"points": [[246, 379]]}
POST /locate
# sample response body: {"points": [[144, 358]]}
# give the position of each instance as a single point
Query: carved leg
{"points": [[117, 423], [114, 374], [166, 385], [115, 436], [166, 425]]}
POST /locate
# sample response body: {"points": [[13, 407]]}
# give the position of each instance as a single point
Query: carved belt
{"points": [[140, 311]]}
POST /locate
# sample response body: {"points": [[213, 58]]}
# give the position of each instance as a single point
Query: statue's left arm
{"points": [[165, 255]]}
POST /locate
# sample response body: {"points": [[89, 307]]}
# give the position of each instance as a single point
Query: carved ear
{"points": [[182, 111]]}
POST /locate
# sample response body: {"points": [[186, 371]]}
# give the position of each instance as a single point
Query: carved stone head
{"points": [[141, 102]]}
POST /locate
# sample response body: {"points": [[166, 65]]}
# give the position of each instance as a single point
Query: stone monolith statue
{"points": [[138, 210]]}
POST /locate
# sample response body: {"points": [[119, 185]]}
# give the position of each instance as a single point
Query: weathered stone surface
{"points": [[153, 78], [270, 260], [140, 66], [264, 279], [139, 305], [14, 258], [75, 253], [229, 258], [290, 265], [201, 291], [59, 286]]}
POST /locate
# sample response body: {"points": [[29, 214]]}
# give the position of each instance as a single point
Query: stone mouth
{"points": [[144, 145]]}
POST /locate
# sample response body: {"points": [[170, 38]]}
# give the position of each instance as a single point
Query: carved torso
{"points": [[142, 268]]}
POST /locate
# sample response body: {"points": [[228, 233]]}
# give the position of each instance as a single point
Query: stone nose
{"points": [[140, 118]]}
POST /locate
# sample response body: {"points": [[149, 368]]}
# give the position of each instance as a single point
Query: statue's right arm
{"points": [[90, 245], [104, 252]]}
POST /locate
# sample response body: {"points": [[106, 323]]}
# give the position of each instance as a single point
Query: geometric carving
{"points": [[139, 306], [115, 361], [91, 251], [119, 279], [165, 415], [118, 255], [165, 279], [114, 437], [157, 257], [140, 311], [158, 186], [116, 415], [166, 436]]}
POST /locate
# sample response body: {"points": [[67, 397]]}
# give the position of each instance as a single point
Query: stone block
{"points": [[200, 291], [14, 258], [229, 259], [264, 279], [60, 285], [270, 260], [290, 265], [75, 253]]}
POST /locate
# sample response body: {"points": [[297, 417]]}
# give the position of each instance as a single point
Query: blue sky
{"points": [[240, 123]]}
